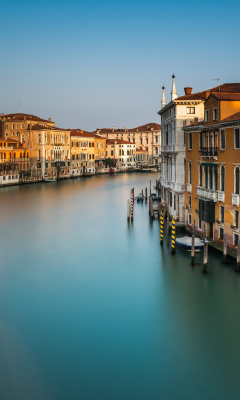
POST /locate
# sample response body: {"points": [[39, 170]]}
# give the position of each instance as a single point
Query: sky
{"points": [[94, 64]]}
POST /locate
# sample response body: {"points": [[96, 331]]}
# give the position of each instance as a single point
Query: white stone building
{"points": [[179, 112]]}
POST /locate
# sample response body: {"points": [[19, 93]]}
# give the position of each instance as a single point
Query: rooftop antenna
{"points": [[19, 107], [217, 79]]}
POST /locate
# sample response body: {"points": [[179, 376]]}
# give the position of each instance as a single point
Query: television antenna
{"points": [[19, 107], [217, 79]]}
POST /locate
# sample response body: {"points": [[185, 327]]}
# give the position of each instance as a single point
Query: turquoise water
{"points": [[92, 308]]}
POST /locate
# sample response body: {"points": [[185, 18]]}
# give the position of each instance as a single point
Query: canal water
{"points": [[93, 309]]}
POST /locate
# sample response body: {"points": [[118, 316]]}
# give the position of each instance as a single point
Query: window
{"points": [[236, 188], [39, 138], [207, 115], [190, 219], [235, 239], [22, 126], [13, 126], [221, 232], [190, 141], [206, 177], [111, 152], [222, 214], [190, 202], [6, 126], [222, 140], [236, 138], [237, 219], [199, 223], [17, 126], [222, 172], [215, 114], [190, 110], [201, 140], [190, 173]]}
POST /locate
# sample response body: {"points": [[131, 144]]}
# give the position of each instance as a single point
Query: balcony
{"points": [[209, 152], [221, 196], [235, 199], [189, 187], [207, 193]]}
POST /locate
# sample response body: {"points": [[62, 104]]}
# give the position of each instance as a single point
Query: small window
{"points": [[13, 126], [222, 214], [22, 126], [221, 233], [235, 239], [190, 110], [199, 224], [237, 219], [190, 202], [215, 114], [222, 140], [190, 141], [190, 219], [6, 126], [236, 138], [207, 115]]}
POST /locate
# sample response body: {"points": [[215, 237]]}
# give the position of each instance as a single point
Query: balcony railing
{"points": [[221, 196], [209, 151], [235, 199], [207, 193], [189, 187]]}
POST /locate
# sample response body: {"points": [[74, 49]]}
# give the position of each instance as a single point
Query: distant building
{"points": [[141, 158], [122, 152], [82, 153], [146, 137], [14, 161]]}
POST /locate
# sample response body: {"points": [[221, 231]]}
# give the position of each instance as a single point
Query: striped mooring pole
{"points": [[173, 235], [131, 204], [161, 227]]}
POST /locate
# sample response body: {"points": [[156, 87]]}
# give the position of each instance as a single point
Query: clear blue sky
{"points": [[89, 64]]}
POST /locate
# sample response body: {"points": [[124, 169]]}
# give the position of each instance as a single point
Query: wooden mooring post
{"points": [[131, 204], [224, 248], [238, 257], [150, 191], [128, 210], [168, 230], [205, 257], [193, 245], [161, 227], [146, 194], [150, 207], [173, 251]]}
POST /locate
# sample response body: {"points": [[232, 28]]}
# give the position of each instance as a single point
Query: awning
{"points": [[203, 199], [209, 164]]}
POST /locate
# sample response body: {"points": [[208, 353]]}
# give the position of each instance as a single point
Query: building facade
{"points": [[123, 152], [146, 137]]}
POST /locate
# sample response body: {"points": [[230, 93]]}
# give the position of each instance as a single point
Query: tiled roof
{"points": [[226, 96], [224, 88], [117, 141], [22, 117], [141, 128], [84, 134], [232, 118], [41, 127], [8, 140]]}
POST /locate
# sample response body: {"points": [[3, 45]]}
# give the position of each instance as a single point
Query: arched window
{"points": [[10, 155], [14, 155], [21, 155], [189, 172], [237, 180], [222, 174]]}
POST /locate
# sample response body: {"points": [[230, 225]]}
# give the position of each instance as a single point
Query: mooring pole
{"points": [[238, 256], [133, 193], [167, 229], [173, 235], [205, 257], [131, 205], [161, 227], [224, 248], [150, 189], [193, 249], [146, 194], [128, 210]]}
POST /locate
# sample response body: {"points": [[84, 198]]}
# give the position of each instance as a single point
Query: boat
{"points": [[186, 243], [50, 180]]}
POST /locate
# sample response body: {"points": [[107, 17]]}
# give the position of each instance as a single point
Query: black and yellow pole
{"points": [[161, 227], [173, 235]]}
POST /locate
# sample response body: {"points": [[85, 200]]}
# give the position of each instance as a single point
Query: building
{"points": [[14, 162], [122, 152], [212, 167], [82, 153], [48, 145], [141, 158], [146, 137], [174, 116]]}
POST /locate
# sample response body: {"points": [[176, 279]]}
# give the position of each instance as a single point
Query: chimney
{"points": [[49, 119], [112, 128], [188, 90]]}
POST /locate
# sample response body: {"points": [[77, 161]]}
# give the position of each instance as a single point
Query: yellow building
{"points": [[82, 153], [14, 162], [212, 170], [141, 158]]}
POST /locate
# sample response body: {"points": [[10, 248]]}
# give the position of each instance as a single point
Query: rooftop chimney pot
{"points": [[188, 90]]}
